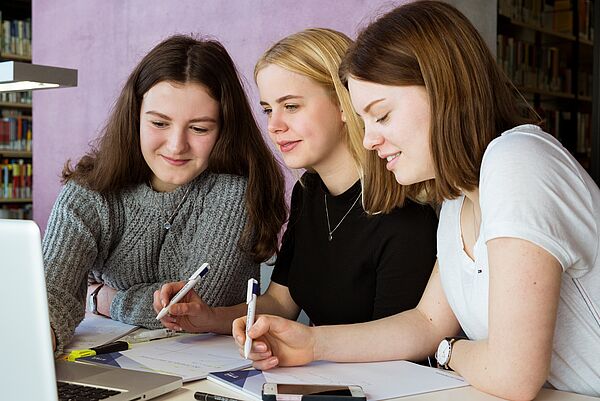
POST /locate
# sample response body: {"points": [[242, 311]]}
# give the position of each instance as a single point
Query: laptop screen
{"points": [[27, 362]]}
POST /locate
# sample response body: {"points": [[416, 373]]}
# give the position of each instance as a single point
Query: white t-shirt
{"points": [[532, 188]]}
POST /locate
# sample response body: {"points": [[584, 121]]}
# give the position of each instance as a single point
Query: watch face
{"points": [[443, 352]]}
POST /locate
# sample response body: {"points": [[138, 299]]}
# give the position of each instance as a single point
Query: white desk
{"points": [[462, 394]]}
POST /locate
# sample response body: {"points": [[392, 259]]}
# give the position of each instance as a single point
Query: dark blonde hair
{"points": [[117, 161], [430, 43], [317, 53]]}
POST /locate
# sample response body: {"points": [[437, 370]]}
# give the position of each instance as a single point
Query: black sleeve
{"points": [[405, 260], [286, 252]]}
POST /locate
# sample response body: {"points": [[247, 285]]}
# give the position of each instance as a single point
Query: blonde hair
{"points": [[317, 53]]}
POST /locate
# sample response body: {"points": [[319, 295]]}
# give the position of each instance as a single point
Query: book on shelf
{"points": [[16, 133], [584, 133], [17, 98], [16, 211], [16, 180], [586, 19], [532, 66], [16, 37], [552, 15], [562, 13]]}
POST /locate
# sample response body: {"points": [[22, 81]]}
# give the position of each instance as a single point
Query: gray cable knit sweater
{"points": [[122, 241]]}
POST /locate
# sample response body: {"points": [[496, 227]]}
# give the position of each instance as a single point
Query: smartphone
{"points": [[311, 392]]}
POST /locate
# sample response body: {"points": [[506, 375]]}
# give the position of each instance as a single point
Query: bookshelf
{"points": [[547, 48], [16, 128]]}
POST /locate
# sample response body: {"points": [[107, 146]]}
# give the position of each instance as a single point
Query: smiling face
{"points": [[397, 126], [303, 120], [178, 130]]}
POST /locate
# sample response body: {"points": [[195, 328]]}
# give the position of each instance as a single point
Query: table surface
{"points": [[186, 393]]}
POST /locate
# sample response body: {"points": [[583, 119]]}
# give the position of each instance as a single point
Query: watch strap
{"points": [[93, 300]]}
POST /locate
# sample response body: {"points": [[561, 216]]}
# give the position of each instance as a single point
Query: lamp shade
{"points": [[16, 76]]}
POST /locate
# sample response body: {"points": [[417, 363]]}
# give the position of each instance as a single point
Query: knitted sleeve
{"points": [[70, 249], [212, 235]]}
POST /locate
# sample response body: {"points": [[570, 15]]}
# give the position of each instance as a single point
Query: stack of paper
{"points": [[190, 356], [97, 330]]}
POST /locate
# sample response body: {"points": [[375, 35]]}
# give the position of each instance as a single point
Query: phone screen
{"points": [[302, 389]]}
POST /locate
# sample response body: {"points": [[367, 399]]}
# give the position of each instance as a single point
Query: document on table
{"points": [[379, 380], [190, 356], [96, 330]]}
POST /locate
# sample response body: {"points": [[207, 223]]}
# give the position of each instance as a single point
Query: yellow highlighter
{"points": [[102, 349]]}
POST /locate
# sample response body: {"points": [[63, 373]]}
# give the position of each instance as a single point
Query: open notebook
{"points": [[379, 380]]}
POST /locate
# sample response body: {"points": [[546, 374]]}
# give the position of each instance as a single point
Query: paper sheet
{"points": [[96, 330], [191, 357], [379, 380]]}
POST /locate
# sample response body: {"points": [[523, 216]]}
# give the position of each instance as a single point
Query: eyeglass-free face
{"points": [[179, 126], [303, 119], [397, 126]]}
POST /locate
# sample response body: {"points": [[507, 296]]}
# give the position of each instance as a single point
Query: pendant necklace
{"points": [[169, 221], [340, 222]]}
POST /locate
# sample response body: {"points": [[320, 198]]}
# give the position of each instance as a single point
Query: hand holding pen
{"points": [[189, 312]]}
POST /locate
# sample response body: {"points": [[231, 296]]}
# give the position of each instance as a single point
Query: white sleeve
{"points": [[531, 188]]}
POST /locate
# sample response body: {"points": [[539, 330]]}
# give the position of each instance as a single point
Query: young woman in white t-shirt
{"points": [[518, 239]]}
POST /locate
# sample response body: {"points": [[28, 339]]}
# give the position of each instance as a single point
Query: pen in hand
{"points": [[251, 295], [192, 281]]}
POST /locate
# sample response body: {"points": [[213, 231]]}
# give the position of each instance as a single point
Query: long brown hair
{"points": [[116, 161], [430, 43]]}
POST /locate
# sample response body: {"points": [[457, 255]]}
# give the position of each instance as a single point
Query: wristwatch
{"points": [[444, 352], [93, 301]]}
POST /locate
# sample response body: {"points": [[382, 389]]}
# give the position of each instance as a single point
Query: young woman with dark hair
{"points": [[181, 175], [518, 238]]}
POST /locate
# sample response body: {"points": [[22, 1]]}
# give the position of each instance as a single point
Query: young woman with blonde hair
{"points": [[180, 176], [336, 262], [518, 240]]}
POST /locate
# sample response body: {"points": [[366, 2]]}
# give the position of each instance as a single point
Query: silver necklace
{"points": [[169, 221], [340, 222]]}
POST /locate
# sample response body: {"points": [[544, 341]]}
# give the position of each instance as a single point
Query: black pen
{"points": [[211, 397]]}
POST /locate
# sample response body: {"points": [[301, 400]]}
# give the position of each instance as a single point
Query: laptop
{"points": [[28, 370]]}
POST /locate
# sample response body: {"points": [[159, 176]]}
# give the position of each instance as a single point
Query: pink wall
{"points": [[105, 39]]}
